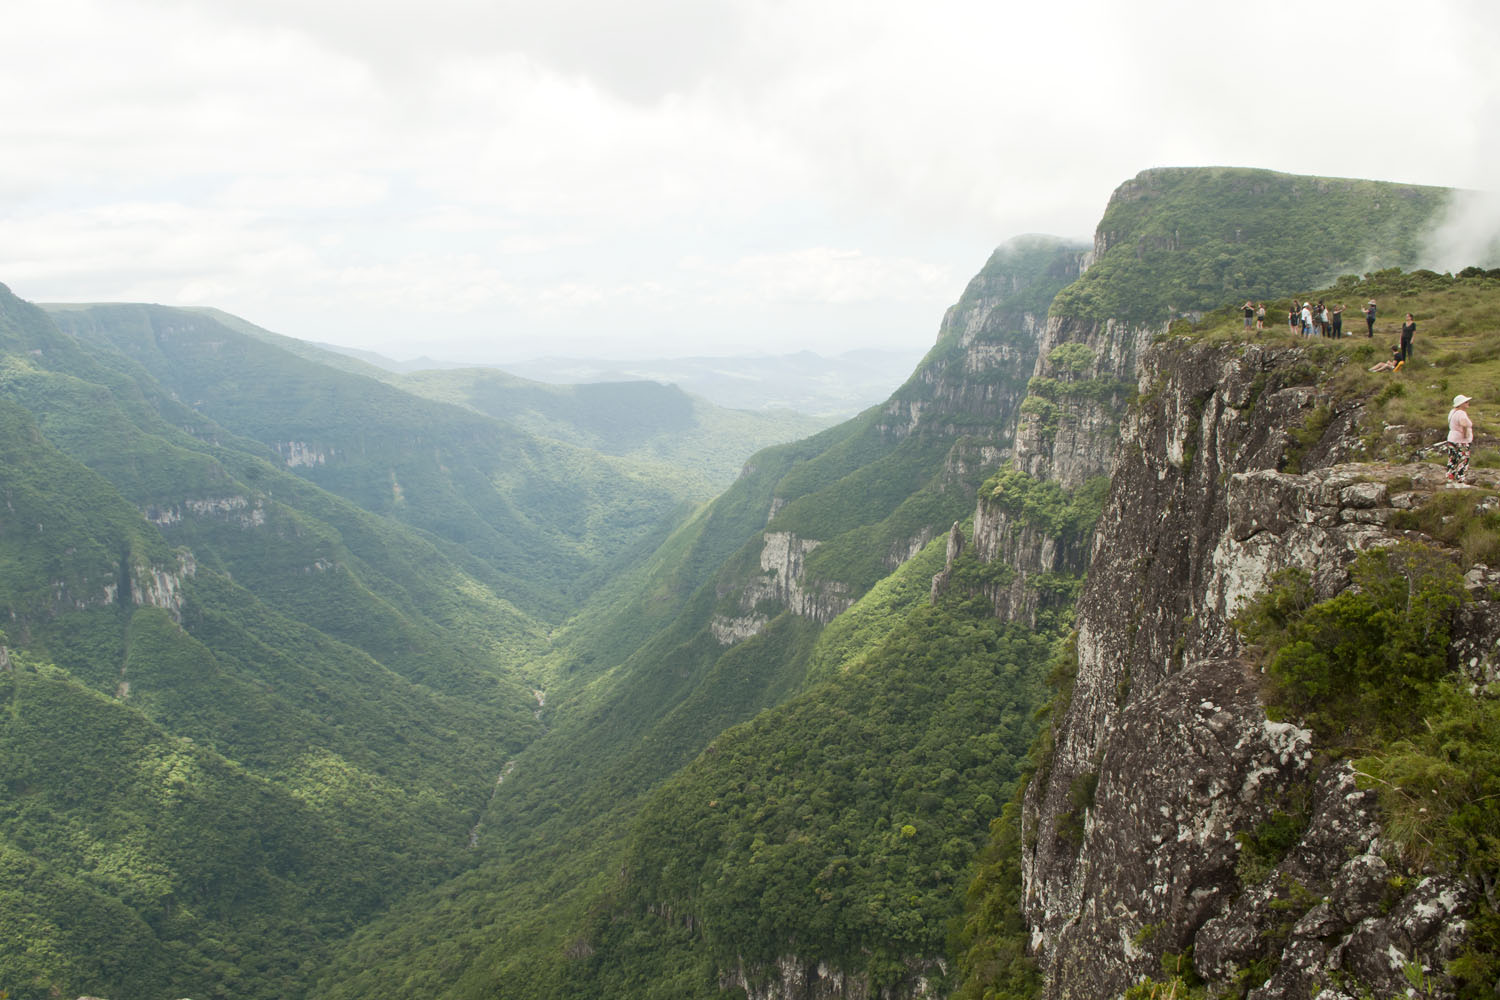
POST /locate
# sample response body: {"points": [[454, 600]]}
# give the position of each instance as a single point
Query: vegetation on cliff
{"points": [[1369, 670], [380, 581], [837, 828], [1179, 241]]}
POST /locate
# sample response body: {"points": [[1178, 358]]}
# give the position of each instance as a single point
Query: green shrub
{"points": [[1357, 660], [1369, 668]]}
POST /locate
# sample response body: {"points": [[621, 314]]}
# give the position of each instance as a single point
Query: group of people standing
{"points": [[1316, 320], [1323, 320]]}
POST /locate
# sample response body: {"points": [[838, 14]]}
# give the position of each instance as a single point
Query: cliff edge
{"points": [[1139, 829]]}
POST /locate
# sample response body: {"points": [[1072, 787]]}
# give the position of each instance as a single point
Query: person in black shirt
{"points": [[1408, 330]]}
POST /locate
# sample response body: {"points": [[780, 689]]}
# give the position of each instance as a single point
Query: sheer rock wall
{"points": [[1164, 753]]}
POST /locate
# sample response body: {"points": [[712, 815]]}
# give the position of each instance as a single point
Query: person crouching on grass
{"points": [[1460, 438]]}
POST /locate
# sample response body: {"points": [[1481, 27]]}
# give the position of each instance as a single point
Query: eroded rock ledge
{"points": [[1164, 754]]}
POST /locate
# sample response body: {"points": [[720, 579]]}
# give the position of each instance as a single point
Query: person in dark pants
{"points": [[1408, 330], [1338, 321], [1370, 319]]}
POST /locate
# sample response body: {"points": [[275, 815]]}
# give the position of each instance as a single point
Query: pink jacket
{"points": [[1460, 427]]}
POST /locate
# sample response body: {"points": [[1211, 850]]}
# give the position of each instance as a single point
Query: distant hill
{"points": [[547, 516], [804, 382], [698, 445], [278, 624], [657, 425]]}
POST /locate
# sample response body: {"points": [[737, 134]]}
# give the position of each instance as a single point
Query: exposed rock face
{"points": [[1164, 754], [302, 454], [246, 512], [1030, 552], [1349, 920], [955, 549], [781, 582], [1085, 370], [794, 979], [964, 397], [1083, 379]]}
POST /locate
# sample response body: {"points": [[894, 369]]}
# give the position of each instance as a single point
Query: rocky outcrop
{"points": [[1084, 378], [794, 979], [301, 454], [246, 512], [976, 377], [1164, 760], [780, 584], [1334, 911], [1032, 554], [961, 403]]}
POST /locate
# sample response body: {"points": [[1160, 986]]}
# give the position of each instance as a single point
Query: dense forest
{"points": [[322, 682]]}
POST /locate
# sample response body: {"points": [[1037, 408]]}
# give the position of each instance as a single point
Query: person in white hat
{"points": [[1460, 438]]}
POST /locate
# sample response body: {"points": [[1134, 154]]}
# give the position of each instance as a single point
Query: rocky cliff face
{"points": [[962, 402], [1083, 375], [1165, 754]]}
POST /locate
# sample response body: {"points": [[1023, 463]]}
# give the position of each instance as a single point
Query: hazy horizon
{"points": [[494, 182]]}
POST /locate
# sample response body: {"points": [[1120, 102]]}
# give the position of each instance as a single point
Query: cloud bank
{"points": [[498, 180]]}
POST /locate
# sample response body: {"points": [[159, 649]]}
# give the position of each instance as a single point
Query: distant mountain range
{"points": [[327, 677], [819, 386]]}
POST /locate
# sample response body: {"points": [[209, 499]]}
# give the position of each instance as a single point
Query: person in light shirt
{"points": [[1460, 438]]}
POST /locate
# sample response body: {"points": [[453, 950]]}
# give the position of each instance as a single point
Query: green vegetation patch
{"points": [[1066, 515], [1358, 661], [1178, 241], [839, 824], [1368, 668]]}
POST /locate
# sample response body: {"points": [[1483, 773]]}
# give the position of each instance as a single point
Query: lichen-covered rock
{"points": [[1421, 934], [1164, 766], [1187, 766], [1475, 646]]}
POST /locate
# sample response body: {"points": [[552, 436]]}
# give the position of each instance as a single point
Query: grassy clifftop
{"points": [[1455, 349]]}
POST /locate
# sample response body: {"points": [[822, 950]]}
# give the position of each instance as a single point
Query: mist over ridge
{"points": [[325, 680]]}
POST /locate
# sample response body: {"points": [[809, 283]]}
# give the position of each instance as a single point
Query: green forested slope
{"points": [[835, 829], [1182, 240], [340, 695], [551, 519], [146, 865], [686, 440]]}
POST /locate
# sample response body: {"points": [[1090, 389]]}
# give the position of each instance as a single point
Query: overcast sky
{"points": [[491, 180]]}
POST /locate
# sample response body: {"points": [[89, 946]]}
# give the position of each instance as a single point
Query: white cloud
{"points": [[822, 275], [818, 173]]}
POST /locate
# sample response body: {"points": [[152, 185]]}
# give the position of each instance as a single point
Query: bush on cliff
{"points": [[1359, 661], [1369, 669]]}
